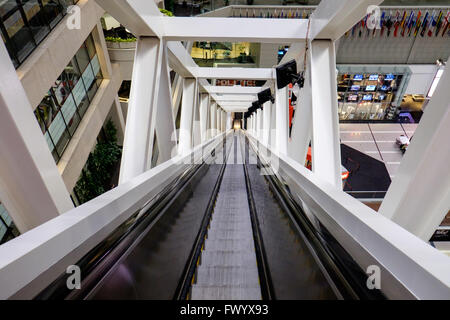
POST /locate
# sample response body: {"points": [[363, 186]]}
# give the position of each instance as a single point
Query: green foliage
{"points": [[166, 12], [117, 39], [96, 176]]}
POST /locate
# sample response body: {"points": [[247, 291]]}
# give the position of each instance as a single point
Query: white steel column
{"points": [[213, 116], [187, 114], [419, 196], [326, 151], [267, 111], [224, 120], [140, 127], [229, 124], [218, 120], [281, 120], [302, 122], [196, 129], [258, 124], [165, 122], [31, 187], [204, 107]]}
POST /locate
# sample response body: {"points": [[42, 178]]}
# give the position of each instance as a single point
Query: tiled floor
{"points": [[377, 140]]}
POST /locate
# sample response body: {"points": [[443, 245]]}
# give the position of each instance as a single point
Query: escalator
{"points": [[221, 230]]}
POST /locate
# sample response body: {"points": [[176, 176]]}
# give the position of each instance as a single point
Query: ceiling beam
{"points": [[233, 29], [241, 98], [234, 73], [232, 89]]}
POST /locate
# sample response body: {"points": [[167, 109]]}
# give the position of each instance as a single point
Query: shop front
{"points": [[367, 93]]}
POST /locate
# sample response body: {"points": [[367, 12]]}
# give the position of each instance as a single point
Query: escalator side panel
{"points": [[294, 271], [152, 270]]}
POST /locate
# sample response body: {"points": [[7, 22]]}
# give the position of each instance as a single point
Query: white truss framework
{"points": [[411, 267]]}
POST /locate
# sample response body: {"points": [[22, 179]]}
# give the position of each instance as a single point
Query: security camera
{"points": [[265, 96], [287, 73]]}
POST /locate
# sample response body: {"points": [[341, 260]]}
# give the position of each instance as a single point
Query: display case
{"points": [[369, 93]]}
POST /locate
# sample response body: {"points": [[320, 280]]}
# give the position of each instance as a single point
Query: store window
{"points": [[61, 110], [366, 96], [206, 53], [25, 23]]}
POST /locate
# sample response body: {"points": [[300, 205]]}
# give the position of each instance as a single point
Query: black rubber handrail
{"points": [[96, 263], [347, 276]]}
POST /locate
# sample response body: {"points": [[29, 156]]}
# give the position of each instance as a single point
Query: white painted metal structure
{"points": [[410, 267]]}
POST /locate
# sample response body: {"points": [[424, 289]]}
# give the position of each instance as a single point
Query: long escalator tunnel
{"points": [[222, 231]]}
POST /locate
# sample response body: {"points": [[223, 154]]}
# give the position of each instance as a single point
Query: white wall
{"points": [[421, 78]]}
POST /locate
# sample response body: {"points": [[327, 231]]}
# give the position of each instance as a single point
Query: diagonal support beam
{"points": [[326, 151], [419, 196], [332, 19]]}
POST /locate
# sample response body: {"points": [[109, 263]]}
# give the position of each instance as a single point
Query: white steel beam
{"points": [[232, 89], [196, 127], [267, 112], [326, 151], [180, 59], [302, 122], [140, 128], [332, 19], [31, 187], [204, 110], [133, 14], [419, 196], [233, 73], [230, 97], [233, 29], [212, 118], [165, 122], [188, 103], [219, 119], [280, 120]]}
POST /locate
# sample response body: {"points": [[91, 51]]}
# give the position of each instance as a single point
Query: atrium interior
{"points": [[224, 150]]}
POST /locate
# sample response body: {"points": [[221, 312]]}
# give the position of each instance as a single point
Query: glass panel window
{"points": [[62, 109], [62, 87], [90, 45], [6, 7], [82, 57], [53, 10], [36, 19], [24, 24], [20, 35]]}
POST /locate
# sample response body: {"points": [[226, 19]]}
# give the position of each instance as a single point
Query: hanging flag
{"points": [[439, 24], [399, 23], [424, 24], [418, 25], [405, 23], [389, 24], [434, 23], [410, 23], [446, 22], [431, 23], [395, 22], [384, 18]]}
